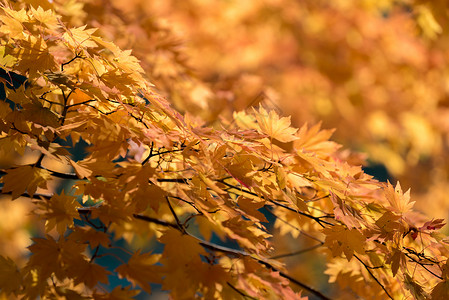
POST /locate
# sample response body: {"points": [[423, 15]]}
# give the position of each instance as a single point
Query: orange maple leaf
{"points": [[25, 178]]}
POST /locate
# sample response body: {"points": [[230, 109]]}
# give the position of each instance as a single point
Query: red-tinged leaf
{"points": [[432, 225]]}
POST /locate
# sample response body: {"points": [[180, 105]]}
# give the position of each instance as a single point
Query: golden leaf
{"points": [[59, 212], [141, 270], [400, 202], [10, 278], [25, 178], [275, 127]]}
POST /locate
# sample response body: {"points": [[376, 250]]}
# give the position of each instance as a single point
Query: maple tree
{"points": [[154, 178]]}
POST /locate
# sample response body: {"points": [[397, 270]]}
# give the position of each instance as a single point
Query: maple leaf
{"points": [[49, 256], [400, 202], [90, 274], [398, 259], [10, 277], [90, 235], [432, 225], [191, 249], [141, 270], [315, 140], [342, 240], [47, 18], [440, 291], [252, 208], [25, 178], [12, 22], [126, 62], [80, 36], [415, 288], [275, 127], [34, 58], [389, 224], [60, 212], [118, 293], [80, 170]]}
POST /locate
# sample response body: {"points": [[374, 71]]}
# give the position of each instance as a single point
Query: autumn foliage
{"points": [[177, 164]]}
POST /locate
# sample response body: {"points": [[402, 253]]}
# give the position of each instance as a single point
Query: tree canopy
{"points": [[109, 155]]}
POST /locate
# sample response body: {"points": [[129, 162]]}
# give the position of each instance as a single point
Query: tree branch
{"points": [[236, 253], [374, 277], [296, 252], [317, 219], [239, 291]]}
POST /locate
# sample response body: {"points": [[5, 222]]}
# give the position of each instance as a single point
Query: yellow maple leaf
{"points": [[45, 17], [315, 140], [80, 170], [10, 278], [278, 128], [127, 62], [118, 293], [141, 270], [90, 274], [23, 178], [399, 201], [190, 251], [80, 36], [11, 26], [91, 236], [51, 256], [59, 212], [342, 240]]}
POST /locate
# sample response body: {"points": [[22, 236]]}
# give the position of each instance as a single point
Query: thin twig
{"points": [[296, 252], [180, 227], [239, 291], [238, 253], [374, 277]]}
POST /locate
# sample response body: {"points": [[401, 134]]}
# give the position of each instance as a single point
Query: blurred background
{"points": [[376, 71]]}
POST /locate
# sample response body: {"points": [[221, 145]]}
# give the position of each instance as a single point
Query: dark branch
{"points": [[240, 292], [317, 219], [236, 253], [296, 252], [374, 277], [155, 221], [70, 61], [422, 265]]}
